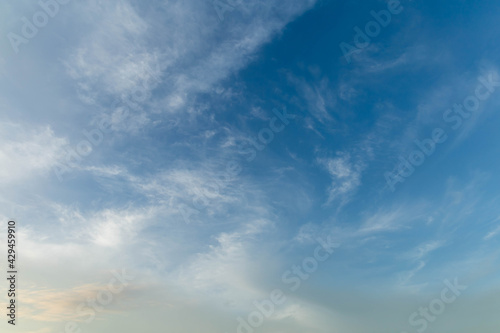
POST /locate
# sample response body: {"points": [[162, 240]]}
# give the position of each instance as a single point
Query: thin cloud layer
{"points": [[215, 150]]}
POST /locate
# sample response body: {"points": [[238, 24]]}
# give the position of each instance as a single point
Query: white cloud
{"points": [[113, 55], [319, 97], [346, 178], [26, 153], [224, 271], [406, 277], [494, 232], [117, 228], [424, 249], [389, 220], [194, 51]]}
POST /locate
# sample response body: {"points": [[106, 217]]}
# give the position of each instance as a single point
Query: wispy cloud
{"points": [[423, 250], [494, 232], [224, 271], [28, 152], [384, 221], [346, 178]]}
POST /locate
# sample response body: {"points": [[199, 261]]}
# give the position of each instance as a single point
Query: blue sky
{"points": [[206, 147]]}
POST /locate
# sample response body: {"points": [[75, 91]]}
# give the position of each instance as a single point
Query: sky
{"points": [[314, 166]]}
